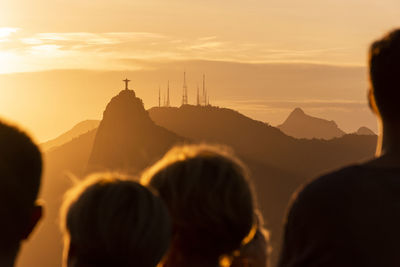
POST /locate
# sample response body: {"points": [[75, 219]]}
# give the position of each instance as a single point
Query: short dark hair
{"points": [[384, 67], [20, 175], [209, 196], [114, 222]]}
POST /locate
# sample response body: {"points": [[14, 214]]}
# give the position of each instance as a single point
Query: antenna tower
{"points": [[159, 96], [167, 104], [184, 96], [198, 95], [204, 91]]}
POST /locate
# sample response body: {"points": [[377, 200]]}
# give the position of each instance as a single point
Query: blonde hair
{"points": [[114, 222], [209, 196]]}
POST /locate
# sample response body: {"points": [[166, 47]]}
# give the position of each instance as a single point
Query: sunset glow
{"points": [[144, 36], [111, 86], [332, 32]]}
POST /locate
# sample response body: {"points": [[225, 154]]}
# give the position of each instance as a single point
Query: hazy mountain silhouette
{"points": [[260, 141], [127, 139], [365, 131], [301, 125], [77, 130]]}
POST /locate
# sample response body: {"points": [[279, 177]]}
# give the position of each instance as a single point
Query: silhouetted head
{"points": [[210, 200], [384, 64], [20, 174], [113, 222]]}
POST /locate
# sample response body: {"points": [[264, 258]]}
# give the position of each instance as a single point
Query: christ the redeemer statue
{"points": [[126, 83]]}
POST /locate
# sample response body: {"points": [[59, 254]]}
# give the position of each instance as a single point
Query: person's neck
{"points": [[8, 255], [388, 146], [7, 261]]}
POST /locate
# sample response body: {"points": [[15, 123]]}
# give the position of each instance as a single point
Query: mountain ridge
{"points": [[365, 131], [278, 163], [301, 125], [127, 139], [78, 129]]}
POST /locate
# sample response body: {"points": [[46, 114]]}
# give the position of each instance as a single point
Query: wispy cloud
{"points": [[205, 45], [207, 38], [102, 50], [31, 41], [136, 35], [7, 31], [82, 39], [49, 50]]}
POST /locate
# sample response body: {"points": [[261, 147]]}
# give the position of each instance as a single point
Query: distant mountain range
{"points": [[77, 130], [365, 131], [129, 139], [300, 125], [319, 129], [258, 140]]}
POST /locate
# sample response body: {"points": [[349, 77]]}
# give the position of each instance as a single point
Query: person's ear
{"points": [[36, 215]]}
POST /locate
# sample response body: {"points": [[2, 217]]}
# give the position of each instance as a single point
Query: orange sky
{"points": [[45, 34], [133, 35]]}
